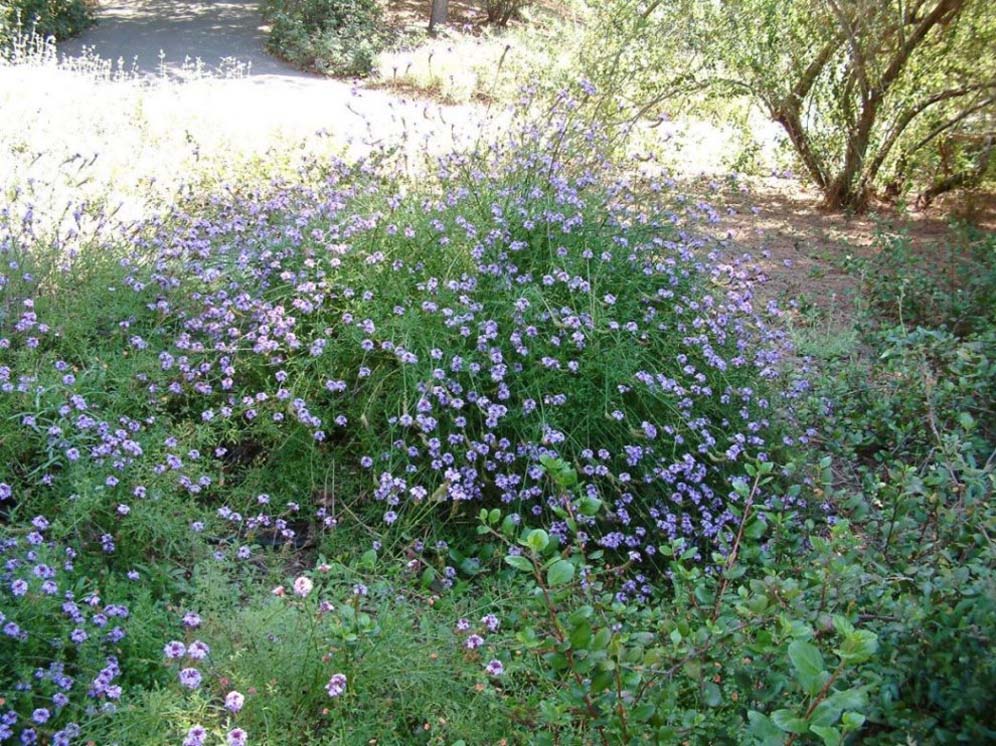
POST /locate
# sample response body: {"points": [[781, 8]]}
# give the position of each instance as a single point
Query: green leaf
{"points": [[560, 573], [763, 729], [602, 681], [368, 558], [643, 713], [712, 694], [428, 576], [755, 529], [830, 736], [826, 713], [858, 646], [538, 540], [855, 698], [590, 506], [808, 664], [789, 722], [852, 720], [580, 636], [601, 639], [519, 562]]}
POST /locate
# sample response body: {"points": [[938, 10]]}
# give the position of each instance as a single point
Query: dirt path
{"points": [[239, 93], [214, 31]]}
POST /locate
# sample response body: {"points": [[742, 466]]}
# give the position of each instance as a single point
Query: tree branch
{"points": [[906, 118]]}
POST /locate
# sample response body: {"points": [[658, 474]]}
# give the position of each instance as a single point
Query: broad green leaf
{"points": [[808, 664], [763, 729], [712, 694], [560, 573], [580, 635], [428, 576], [368, 558], [789, 721], [830, 736], [601, 639], [519, 562], [601, 681], [537, 540], [858, 646], [826, 713], [852, 720], [855, 698], [755, 529], [590, 506]]}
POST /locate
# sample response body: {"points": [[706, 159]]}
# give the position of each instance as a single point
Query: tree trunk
{"points": [[439, 14]]}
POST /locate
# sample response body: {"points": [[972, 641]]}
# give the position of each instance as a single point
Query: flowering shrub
{"points": [[431, 346], [58, 640], [733, 656]]}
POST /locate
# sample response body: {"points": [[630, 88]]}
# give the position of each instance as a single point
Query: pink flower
{"points": [[494, 668], [303, 586], [234, 701], [337, 685]]}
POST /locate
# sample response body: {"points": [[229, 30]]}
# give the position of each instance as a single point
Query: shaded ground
{"points": [[803, 250]]}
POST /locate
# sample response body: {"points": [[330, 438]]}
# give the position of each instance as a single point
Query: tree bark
{"points": [[439, 14]]}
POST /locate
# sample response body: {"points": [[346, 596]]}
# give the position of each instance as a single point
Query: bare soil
{"points": [[803, 249]]}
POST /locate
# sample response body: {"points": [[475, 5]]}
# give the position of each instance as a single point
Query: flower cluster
{"points": [[473, 640], [56, 640]]}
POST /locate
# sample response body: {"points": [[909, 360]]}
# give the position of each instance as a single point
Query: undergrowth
{"points": [[509, 455]]}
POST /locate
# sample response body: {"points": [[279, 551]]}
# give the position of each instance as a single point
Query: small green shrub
{"points": [[951, 286], [761, 649], [910, 431], [336, 37], [58, 18], [500, 12]]}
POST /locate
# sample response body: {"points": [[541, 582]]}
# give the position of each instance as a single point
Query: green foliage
{"points": [[58, 18], [762, 651], [912, 438], [951, 287], [335, 37], [887, 96], [409, 676]]}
